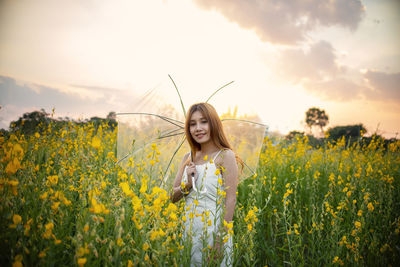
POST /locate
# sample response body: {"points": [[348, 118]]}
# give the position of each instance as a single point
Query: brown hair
{"points": [[217, 133]]}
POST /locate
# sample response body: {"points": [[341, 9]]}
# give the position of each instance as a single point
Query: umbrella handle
{"points": [[194, 186]]}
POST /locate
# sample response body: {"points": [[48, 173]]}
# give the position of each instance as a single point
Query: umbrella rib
{"points": [[172, 121], [171, 131], [179, 95], [252, 171], [171, 135], [173, 156], [253, 122], [219, 89]]}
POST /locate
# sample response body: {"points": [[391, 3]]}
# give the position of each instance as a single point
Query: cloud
{"points": [[338, 89], [318, 71], [289, 21], [385, 85], [318, 62], [316, 68]]}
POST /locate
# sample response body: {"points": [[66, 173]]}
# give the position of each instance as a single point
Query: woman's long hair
{"points": [[217, 133]]}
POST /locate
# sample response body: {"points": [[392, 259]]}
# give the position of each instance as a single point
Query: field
{"points": [[64, 201]]}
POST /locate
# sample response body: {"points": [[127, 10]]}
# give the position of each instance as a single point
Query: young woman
{"points": [[207, 179]]}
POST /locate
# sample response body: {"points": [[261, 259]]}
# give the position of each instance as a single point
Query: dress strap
{"points": [[215, 157]]}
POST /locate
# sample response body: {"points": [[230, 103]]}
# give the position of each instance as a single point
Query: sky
{"points": [[87, 58]]}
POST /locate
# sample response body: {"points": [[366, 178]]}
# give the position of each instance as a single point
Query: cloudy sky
{"points": [[90, 57]]}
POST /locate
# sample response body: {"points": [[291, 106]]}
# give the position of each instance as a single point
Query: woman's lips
{"points": [[199, 136]]}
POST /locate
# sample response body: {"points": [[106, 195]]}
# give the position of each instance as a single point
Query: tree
{"points": [[316, 117], [112, 115], [31, 122], [293, 134], [350, 132]]}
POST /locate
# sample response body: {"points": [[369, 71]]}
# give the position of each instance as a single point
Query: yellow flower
{"points": [[359, 213], [55, 205], [42, 254], [66, 201], [205, 157], [126, 189], [357, 224], [43, 196], [37, 135], [130, 263], [53, 179], [18, 261], [156, 234], [83, 250], [143, 188], [86, 228], [96, 142], [120, 242], [146, 246], [82, 261], [16, 219], [370, 207], [13, 166], [218, 172], [49, 228], [13, 183]]}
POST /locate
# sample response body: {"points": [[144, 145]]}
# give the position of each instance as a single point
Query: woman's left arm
{"points": [[230, 175]]}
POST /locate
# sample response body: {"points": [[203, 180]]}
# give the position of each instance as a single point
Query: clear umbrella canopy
{"points": [[153, 135]]}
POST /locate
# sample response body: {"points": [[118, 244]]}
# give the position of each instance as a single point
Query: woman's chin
{"points": [[202, 140]]}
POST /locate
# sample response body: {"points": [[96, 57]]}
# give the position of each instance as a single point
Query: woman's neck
{"points": [[208, 148]]}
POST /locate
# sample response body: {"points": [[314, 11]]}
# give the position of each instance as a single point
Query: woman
{"points": [[207, 178]]}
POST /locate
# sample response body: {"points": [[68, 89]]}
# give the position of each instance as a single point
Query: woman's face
{"points": [[199, 128]]}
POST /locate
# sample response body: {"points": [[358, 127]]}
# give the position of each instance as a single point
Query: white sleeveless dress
{"points": [[204, 215]]}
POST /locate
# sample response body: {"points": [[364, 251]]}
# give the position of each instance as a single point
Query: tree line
{"points": [[318, 118], [38, 121]]}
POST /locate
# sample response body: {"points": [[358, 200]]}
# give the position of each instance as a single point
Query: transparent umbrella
{"points": [[140, 133]]}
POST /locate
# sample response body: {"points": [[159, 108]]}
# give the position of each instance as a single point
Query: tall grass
{"points": [[64, 201]]}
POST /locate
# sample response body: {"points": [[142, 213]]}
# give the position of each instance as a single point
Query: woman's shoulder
{"points": [[226, 154]]}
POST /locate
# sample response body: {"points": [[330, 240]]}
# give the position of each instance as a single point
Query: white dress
{"points": [[204, 215]]}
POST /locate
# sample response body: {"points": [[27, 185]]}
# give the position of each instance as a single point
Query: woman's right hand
{"points": [[191, 169]]}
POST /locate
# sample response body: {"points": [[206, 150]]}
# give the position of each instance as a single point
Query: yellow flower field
{"points": [[64, 201]]}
